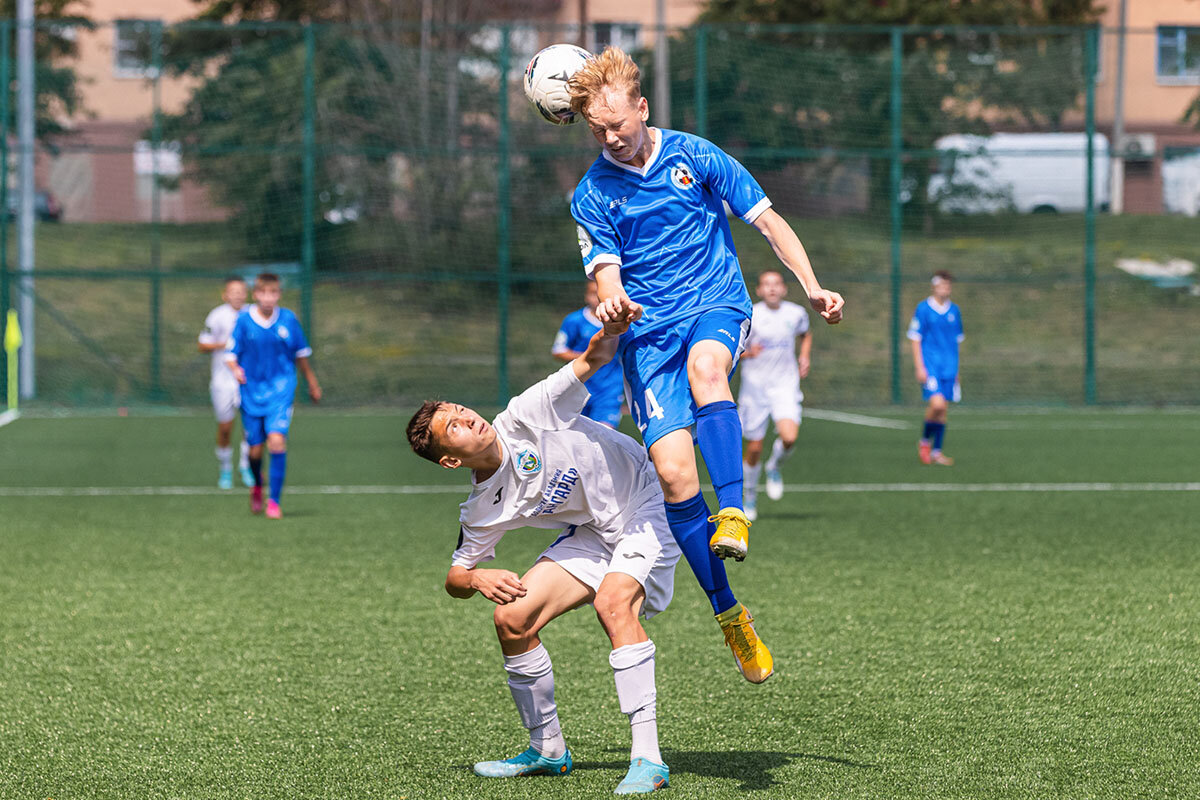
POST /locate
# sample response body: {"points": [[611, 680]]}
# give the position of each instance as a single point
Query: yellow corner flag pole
{"points": [[12, 343]]}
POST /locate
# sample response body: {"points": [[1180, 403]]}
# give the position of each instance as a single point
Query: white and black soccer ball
{"points": [[546, 81]]}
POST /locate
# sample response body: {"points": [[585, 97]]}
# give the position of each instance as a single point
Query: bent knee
{"points": [[676, 475], [616, 603], [512, 622]]}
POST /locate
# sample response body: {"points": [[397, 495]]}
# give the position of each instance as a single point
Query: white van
{"points": [[1181, 184], [1025, 172]]}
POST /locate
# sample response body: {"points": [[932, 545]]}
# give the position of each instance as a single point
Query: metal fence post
{"points": [[702, 81], [503, 223], [307, 246], [5, 80], [26, 246], [156, 389], [1089, 227], [897, 175]]}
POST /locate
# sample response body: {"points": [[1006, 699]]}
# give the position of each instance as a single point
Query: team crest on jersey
{"points": [[528, 462], [283, 332], [682, 177], [585, 241]]}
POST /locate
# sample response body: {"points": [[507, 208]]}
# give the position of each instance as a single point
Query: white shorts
{"points": [[646, 552], [778, 402], [226, 400]]}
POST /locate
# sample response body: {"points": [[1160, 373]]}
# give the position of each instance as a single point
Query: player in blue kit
{"points": [[264, 351], [936, 331], [652, 228], [605, 387]]}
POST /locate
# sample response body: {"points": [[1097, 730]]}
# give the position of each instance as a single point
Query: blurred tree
{"points": [[54, 45], [405, 102], [832, 88]]}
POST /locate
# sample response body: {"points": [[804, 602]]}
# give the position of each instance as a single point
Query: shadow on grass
{"points": [[752, 768]]}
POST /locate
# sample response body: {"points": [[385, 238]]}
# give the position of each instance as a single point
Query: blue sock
{"points": [[256, 470], [927, 434], [690, 526], [719, 432], [939, 432], [278, 472]]}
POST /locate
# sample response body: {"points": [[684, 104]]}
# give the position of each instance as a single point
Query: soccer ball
{"points": [[546, 81]]}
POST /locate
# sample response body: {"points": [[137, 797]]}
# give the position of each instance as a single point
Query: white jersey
{"points": [[559, 469], [776, 331], [218, 329]]}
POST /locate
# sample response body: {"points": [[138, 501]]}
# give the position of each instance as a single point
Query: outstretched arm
{"points": [[919, 361], [805, 360], [620, 312], [314, 388], [791, 254], [613, 300]]}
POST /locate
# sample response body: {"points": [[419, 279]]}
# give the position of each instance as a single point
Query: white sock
{"points": [[531, 681], [244, 459], [633, 672], [750, 478], [225, 458], [779, 454]]}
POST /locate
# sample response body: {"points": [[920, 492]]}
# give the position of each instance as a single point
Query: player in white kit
{"points": [[771, 374], [222, 388], [542, 464]]}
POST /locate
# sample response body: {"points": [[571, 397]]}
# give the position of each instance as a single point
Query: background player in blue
{"points": [[936, 331], [652, 228], [266, 348], [605, 387]]}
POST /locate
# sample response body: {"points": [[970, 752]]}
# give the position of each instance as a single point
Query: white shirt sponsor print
{"points": [[558, 469]]}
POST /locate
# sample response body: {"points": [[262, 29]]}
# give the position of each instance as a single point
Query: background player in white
{"points": [[771, 374], [936, 331], [543, 464], [222, 388]]}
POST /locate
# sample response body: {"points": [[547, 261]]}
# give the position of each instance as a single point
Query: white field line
{"points": [[856, 419], [808, 488], [9, 416]]}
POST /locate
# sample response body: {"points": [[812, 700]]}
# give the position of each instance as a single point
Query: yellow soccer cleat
{"points": [[733, 533], [752, 656]]}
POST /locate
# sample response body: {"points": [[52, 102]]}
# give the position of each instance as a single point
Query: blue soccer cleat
{"points": [[247, 477], [226, 480], [531, 762], [644, 776], [774, 484]]}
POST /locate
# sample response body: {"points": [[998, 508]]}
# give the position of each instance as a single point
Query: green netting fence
{"points": [[419, 209]]}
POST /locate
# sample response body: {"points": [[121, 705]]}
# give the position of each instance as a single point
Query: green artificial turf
{"points": [[949, 644]]}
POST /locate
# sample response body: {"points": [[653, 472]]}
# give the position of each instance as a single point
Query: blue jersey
{"points": [[607, 387], [939, 329], [267, 350], [665, 226]]}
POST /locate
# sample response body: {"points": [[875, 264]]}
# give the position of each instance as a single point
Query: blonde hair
{"points": [[612, 69]]}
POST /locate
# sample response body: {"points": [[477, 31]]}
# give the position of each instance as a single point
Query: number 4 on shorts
{"points": [[653, 410]]}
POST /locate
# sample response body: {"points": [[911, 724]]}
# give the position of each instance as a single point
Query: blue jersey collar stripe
{"points": [[644, 170], [262, 321]]}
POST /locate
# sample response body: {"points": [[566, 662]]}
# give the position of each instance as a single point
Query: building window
{"points": [[618, 34], [131, 48], [1178, 55]]}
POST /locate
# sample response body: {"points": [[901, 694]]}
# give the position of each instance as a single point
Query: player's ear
{"points": [[643, 107], [450, 462]]}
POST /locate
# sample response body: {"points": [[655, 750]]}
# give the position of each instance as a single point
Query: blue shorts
{"points": [[277, 420], [604, 411], [946, 387], [655, 365]]}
